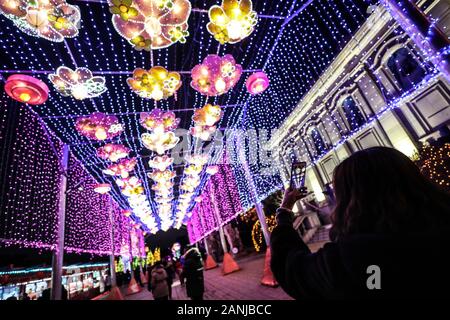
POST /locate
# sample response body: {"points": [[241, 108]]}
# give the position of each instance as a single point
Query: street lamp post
{"points": [[58, 254]]}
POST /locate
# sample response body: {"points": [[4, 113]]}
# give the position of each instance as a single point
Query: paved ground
{"points": [[240, 285]]}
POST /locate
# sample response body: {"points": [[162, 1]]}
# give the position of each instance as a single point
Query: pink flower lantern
{"points": [[202, 132], [160, 163], [257, 83], [102, 188], [216, 75], [26, 89], [123, 168], [99, 126], [113, 152]]}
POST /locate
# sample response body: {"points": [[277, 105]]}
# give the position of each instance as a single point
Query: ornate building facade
{"points": [[379, 91]]}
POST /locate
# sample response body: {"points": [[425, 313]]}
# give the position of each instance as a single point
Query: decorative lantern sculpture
{"points": [[26, 89], [257, 83]]}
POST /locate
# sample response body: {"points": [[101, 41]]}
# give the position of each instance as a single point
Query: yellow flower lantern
{"points": [[233, 21], [156, 83]]}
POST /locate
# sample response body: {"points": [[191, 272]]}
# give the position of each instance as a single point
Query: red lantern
{"points": [[257, 83], [26, 89]]}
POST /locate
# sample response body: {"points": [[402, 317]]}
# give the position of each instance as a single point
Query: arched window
{"points": [[318, 141], [405, 69], [352, 113]]}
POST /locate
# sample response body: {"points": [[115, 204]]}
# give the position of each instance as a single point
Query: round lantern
{"points": [[257, 83], [26, 89]]}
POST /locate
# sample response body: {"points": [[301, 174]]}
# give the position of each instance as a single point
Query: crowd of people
{"points": [[189, 270]]}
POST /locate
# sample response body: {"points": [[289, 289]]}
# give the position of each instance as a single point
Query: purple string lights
{"points": [[219, 194], [29, 179]]}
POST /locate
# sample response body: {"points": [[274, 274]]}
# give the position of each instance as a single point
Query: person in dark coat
{"points": [[170, 270], [389, 235], [193, 273]]}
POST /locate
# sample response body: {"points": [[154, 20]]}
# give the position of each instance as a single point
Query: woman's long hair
{"points": [[380, 190]]}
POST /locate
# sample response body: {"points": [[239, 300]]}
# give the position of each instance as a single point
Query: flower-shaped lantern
{"points": [[122, 168], [131, 186], [161, 163], [202, 132], [257, 83], [151, 24], [159, 121], [212, 170], [209, 115], [53, 20], [159, 142], [215, 75], [161, 176], [113, 152], [102, 188], [193, 170], [156, 83], [99, 126], [26, 89], [197, 159], [233, 21], [78, 83]]}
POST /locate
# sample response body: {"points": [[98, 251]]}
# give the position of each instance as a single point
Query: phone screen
{"points": [[298, 172]]}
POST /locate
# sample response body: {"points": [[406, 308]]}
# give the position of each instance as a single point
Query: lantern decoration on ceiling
{"points": [[204, 121], [113, 152], [159, 142], [158, 120], [193, 170], [197, 159], [130, 186], [99, 126], [26, 89], [161, 163], [202, 132], [102, 188], [212, 170], [126, 213], [257, 83], [215, 75], [233, 21], [53, 20], [161, 176], [78, 83], [122, 168], [156, 83], [151, 24], [162, 124], [198, 199]]}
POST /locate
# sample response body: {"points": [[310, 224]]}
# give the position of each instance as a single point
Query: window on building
{"points": [[406, 70], [318, 141], [352, 113]]}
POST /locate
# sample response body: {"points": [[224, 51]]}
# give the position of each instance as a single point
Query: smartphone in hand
{"points": [[298, 173]]}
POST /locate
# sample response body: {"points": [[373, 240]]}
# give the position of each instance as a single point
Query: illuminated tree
{"points": [[434, 163]]}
